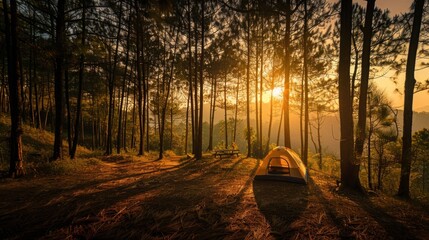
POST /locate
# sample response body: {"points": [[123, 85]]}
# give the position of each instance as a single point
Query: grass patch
{"points": [[67, 166], [37, 149]]}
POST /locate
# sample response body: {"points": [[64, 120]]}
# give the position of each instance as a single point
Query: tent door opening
{"points": [[278, 165]]}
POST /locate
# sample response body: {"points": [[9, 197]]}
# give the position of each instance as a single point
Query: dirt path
{"points": [[188, 199]]}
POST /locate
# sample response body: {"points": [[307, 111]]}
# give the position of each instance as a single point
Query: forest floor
{"points": [[125, 197]]}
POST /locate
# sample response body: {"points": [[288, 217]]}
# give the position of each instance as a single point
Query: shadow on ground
{"points": [[194, 199], [281, 203]]}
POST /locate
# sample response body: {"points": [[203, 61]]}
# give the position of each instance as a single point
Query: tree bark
{"points": [[256, 147], [68, 109], [112, 85], [212, 112], [280, 126], [36, 93], [286, 127], [195, 141], [319, 138], [133, 127], [369, 146], [267, 146], [187, 125], [190, 78], [349, 168], [236, 110], [210, 145], [261, 81], [141, 86], [171, 120], [167, 97], [199, 153], [16, 167], [404, 184], [80, 84], [126, 110], [226, 113], [60, 33], [363, 93], [306, 114], [249, 141], [124, 80]]}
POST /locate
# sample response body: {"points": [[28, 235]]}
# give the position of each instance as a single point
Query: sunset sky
{"points": [[421, 102]]}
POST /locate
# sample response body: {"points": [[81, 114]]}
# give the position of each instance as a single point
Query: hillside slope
{"points": [[37, 148]]}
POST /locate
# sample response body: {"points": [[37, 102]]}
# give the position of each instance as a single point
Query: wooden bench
{"points": [[226, 153]]}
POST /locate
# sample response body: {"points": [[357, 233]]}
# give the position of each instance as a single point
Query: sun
{"points": [[278, 92]]}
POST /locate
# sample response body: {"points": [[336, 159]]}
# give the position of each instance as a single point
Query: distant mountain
{"points": [[422, 109], [420, 120], [330, 131]]}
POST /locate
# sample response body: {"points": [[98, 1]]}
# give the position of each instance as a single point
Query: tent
{"points": [[282, 164]]}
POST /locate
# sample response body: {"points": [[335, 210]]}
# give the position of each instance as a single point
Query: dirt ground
{"points": [[130, 198]]}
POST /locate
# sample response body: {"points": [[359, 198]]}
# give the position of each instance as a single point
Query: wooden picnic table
{"points": [[226, 153]]}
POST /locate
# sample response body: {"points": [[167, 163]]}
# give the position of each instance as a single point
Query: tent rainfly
{"points": [[282, 164]]}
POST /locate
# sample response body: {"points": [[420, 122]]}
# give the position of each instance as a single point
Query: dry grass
{"points": [[128, 197], [37, 149]]}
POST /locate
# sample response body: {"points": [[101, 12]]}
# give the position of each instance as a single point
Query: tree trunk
{"points": [[190, 78], [349, 168], [3, 82], [94, 132], [301, 115], [126, 111], [187, 125], [80, 84], [256, 147], [147, 101], [111, 86], [286, 90], [132, 145], [60, 33], [21, 85], [380, 169], [68, 109], [195, 141], [171, 121], [369, 147], [267, 146], [145, 91], [141, 86], [226, 114], [167, 97], [261, 87], [306, 114], [121, 105], [140, 95], [249, 141], [39, 120], [280, 126], [199, 153], [404, 184], [363, 93], [319, 139], [210, 146], [312, 138], [236, 110], [424, 177], [212, 112], [16, 168], [31, 80], [355, 68]]}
